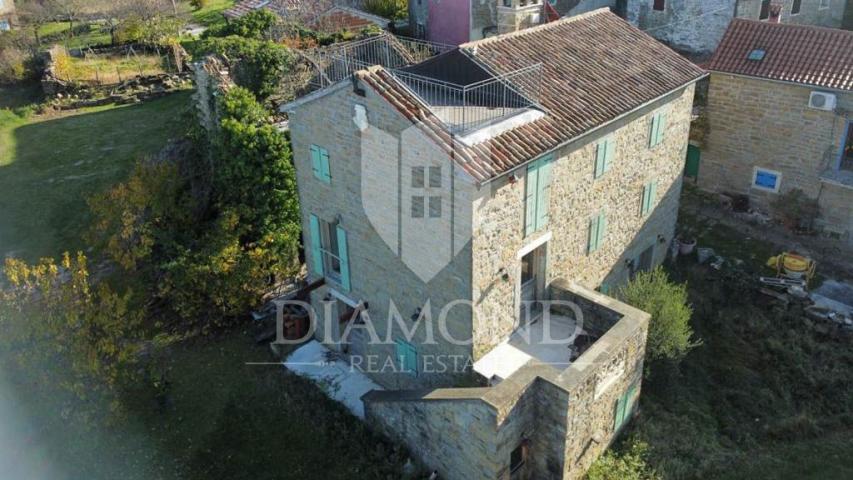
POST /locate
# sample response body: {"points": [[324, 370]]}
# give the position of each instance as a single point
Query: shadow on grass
{"points": [[54, 164]]}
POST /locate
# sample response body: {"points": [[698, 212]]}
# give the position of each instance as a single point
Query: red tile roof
{"points": [[817, 56], [342, 18], [596, 67]]}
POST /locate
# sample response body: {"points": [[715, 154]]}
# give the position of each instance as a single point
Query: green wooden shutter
{"points": [[324, 166], [602, 230], [316, 254], [630, 400], [532, 187], [655, 134], [315, 162], [661, 127], [408, 356], [320, 164], [343, 254], [600, 158], [593, 235], [543, 192], [609, 153], [653, 193], [619, 414]]}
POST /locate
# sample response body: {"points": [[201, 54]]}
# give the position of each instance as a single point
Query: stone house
{"points": [[778, 115], [454, 22], [697, 26], [447, 204], [8, 16]]}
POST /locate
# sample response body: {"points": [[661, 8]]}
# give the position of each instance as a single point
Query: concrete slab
{"points": [[336, 377]]}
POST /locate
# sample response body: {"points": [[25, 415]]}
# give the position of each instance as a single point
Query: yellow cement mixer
{"points": [[793, 266]]}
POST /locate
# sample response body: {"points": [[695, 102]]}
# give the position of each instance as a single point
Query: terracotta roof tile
{"points": [[817, 56], [596, 67]]}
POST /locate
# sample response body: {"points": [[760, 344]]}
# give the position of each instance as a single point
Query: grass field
{"points": [[50, 164], [57, 32], [211, 14]]}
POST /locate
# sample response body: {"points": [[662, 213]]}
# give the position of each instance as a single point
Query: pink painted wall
{"points": [[449, 21]]}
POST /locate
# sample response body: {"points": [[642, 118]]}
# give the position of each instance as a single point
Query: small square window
{"points": [[435, 177], [417, 177], [417, 207], [659, 5], [434, 207]]}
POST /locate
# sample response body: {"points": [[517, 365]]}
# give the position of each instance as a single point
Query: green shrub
{"points": [[627, 465], [669, 330], [392, 9], [261, 65], [199, 4], [795, 209], [255, 25]]}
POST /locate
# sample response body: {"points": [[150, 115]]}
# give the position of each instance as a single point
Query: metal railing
{"points": [[467, 107], [461, 107], [337, 62]]}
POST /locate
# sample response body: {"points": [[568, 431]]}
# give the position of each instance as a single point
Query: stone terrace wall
{"points": [[761, 123], [567, 417]]}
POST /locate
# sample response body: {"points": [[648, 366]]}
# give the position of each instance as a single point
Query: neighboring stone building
{"points": [[454, 22], [779, 117], [446, 203], [8, 16], [696, 26]]}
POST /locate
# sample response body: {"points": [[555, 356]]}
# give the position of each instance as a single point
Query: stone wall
{"points": [[484, 18], [566, 417], [9, 13], [810, 12], [575, 198], [761, 123], [686, 25]]}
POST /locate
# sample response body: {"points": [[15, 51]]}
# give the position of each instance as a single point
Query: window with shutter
{"points": [[329, 251], [537, 195], [320, 164], [658, 129]]}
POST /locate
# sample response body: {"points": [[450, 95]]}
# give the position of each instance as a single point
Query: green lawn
{"points": [[57, 32], [50, 164], [211, 14]]}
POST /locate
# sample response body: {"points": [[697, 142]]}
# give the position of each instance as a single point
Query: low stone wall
{"points": [[564, 418]]}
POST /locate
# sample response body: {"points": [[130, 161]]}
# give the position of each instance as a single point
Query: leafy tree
{"points": [[627, 465], [58, 308], [254, 174], [669, 330], [261, 65], [130, 217]]}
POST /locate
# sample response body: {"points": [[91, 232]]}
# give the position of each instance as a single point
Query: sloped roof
{"points": [[817, 56], [344, 18], [596, 67]]}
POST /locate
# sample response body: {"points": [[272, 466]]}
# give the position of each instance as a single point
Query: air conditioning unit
{"points": [[822, 101]]}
